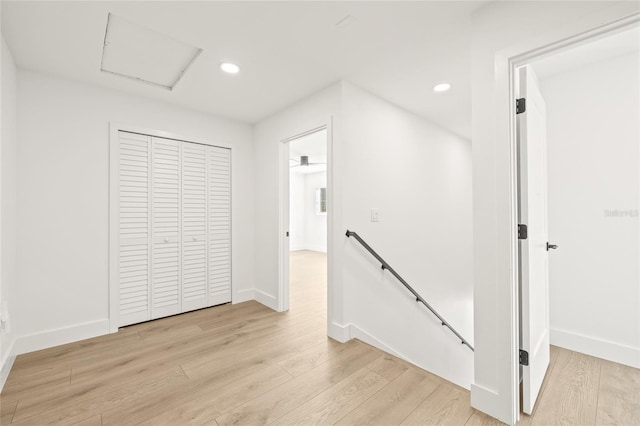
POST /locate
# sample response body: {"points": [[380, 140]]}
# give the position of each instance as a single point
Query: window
{"points": [[321, 201]]}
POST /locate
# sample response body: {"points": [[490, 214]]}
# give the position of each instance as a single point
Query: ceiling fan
{"points": [[302, 162]]}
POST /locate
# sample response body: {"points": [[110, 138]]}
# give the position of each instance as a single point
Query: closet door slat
{"points": [[219, 225], [166, 274], [173, 227], [194, 229], [134, 230]]}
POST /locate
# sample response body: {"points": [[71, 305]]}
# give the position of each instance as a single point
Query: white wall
{"points": [[63, 194], [8, 212], [594, 167], [308, 229], [502, 30], [419, 178], [297, 212], [315, 224], [317, 110]]}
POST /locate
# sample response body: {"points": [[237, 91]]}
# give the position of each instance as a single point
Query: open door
{"points": [[532, 212]]}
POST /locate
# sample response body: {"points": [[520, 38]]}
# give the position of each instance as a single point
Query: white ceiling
{"points": [[313, 146], [622, 43], [286, 51]]}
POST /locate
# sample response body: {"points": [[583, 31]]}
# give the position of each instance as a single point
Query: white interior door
{"points": [[166, 274], [134, 228], [194, 226], [532, 212], [219, 212], [171, 221]]}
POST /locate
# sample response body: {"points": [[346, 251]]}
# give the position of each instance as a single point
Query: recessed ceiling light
{"points": [[441, 87], [229, 68]]}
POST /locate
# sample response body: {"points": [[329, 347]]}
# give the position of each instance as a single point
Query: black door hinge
{"points": [[521, 105], [524, 357], [523, 233]]}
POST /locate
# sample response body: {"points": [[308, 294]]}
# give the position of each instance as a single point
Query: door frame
{"points": [[114, 240], [283, 226], [506, 64]]}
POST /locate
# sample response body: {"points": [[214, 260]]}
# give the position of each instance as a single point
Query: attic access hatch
{"points": [[145, 55]]}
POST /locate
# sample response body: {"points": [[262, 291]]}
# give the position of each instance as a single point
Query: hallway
{"points": [[245, 364]]}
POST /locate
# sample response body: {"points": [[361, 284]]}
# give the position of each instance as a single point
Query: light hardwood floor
{"points": [[245, 364]]}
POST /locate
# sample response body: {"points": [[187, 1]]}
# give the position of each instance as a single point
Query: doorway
{"points": [[305, 219], [585, 197]]}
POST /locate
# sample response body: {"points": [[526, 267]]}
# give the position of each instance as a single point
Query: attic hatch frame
{"points": [[170, 88]]}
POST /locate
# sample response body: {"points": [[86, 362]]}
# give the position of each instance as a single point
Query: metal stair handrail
{"points": [[419, 298]]}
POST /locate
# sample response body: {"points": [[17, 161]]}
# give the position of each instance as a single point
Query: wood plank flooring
{"points": [[245, 364]]}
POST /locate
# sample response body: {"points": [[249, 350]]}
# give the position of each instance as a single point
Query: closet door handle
{"points": [[166, 240], [195, 238]]}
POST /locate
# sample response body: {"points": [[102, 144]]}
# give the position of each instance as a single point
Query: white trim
{"points": [[355, 332], [483, 397], [600, 348], [284, 241], [244, 296], [505, 405], [114, 241], [339, 332], [360, 334], [60, 336], [8, 353], [114, 129], [6, 370], [283, 225], [7, 364], [266, 299], [318, 248], [306, 247]]}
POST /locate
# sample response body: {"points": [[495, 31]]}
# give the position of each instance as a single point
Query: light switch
{"points": [[375, 215]]}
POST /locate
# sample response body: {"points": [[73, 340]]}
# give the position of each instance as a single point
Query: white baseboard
{"points": [[338, 332], [257, 295], [487, 401], [344, 333], [4, 373], [363, 335], [7, 363], [266, 299], [599, 348], [360, 334], [243, 295], [60, 336], [321, 249]]}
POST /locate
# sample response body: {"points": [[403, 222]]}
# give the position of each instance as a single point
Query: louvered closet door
{"points": [[194, 226], [219, 192], [165, 221], [134, 228]]}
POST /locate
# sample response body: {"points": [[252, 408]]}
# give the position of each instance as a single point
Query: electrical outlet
{"points": [[375, 215]]}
